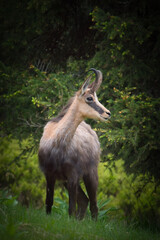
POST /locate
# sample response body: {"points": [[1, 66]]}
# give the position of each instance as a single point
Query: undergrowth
{"points": [[18, 222]]}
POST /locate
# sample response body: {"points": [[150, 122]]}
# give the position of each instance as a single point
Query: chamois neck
{"points": [[68, 124]]}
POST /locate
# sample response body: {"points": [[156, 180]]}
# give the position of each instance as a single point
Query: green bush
{"points": [[135, 197], [20, 173], [129, 89]]}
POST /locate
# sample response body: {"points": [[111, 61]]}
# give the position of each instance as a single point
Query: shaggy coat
{"points": [[70, 150]]}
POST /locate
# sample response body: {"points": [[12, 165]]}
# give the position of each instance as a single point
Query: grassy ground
{"points": [[17, 222]]}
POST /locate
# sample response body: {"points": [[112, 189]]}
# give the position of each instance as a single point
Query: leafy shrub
{"points": [[20, 173], [7, 199], [129, 90], [135, 197]]}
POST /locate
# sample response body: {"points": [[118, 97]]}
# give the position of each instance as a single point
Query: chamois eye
{"points": [[89, 99]]}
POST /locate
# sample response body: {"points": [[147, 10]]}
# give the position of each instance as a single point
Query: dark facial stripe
{"points": [[96, 107]]}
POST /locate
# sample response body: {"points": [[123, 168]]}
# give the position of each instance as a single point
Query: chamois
{"points": [[70, 150]]}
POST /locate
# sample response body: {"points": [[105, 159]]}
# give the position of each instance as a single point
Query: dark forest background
{"points": [[46, 50]]}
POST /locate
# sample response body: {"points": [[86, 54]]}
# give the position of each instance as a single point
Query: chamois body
{"points": [[58, 153], [70, 150]]}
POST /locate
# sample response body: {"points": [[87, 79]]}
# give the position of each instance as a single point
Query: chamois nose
{"points": [[109, 113]]}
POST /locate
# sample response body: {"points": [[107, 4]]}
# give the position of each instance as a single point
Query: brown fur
{"points": [[69, 151]]}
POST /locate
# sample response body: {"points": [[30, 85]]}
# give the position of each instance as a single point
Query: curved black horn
{"points": [[96, 84]]}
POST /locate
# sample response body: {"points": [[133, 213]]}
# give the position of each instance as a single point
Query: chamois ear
{"points": [[85, 85]]}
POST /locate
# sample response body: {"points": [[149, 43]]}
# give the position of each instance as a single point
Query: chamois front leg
{"points": [[91, 183], [49, 192]]}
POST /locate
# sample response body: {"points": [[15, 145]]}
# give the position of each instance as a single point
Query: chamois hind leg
{"points": [[82, 202], [71, 185], [72, 191], [91, 183], [49, 192]]}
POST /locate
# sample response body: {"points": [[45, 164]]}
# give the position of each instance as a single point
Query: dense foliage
{"points": [[46, 51]]}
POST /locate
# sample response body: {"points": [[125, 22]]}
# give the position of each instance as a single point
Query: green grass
{"points": [[17, 222]]}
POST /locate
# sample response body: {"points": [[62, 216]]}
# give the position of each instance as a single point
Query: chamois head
{"points": [[89, 106]]}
